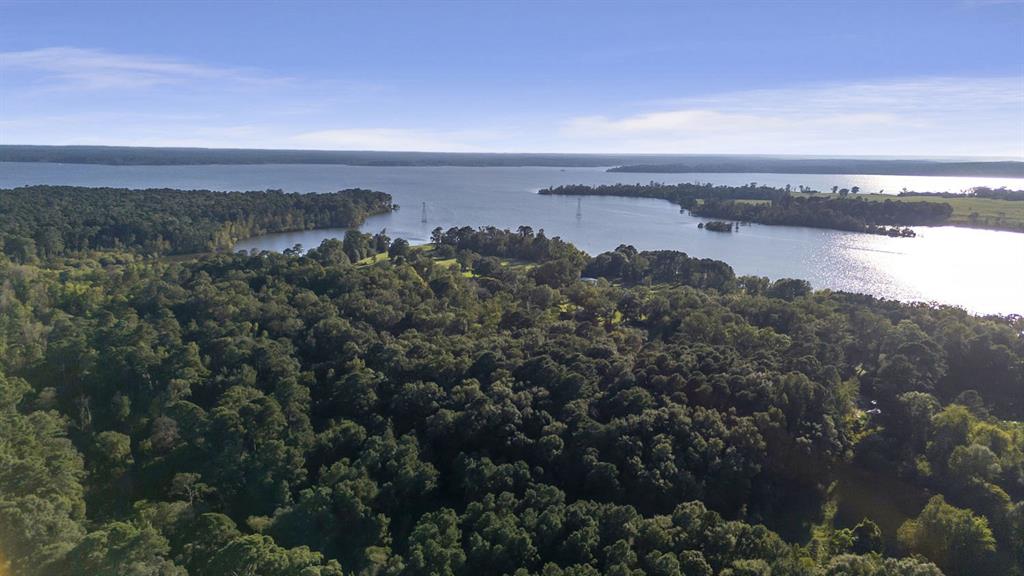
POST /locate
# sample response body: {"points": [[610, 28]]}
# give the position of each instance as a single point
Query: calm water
{"points": [[980, 270]]}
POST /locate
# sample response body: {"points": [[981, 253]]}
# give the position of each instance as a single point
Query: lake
{"points": [[980, 270]]}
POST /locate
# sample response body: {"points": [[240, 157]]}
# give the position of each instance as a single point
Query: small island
{"points": [[716, 226]]}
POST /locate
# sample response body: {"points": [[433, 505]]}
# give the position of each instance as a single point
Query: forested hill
{"points": [[1005, 168], [476, 407], [46, 221]]}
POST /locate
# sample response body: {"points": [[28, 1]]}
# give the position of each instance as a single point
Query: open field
{"points": [[373, 259], [968, 211], [975, 212]]}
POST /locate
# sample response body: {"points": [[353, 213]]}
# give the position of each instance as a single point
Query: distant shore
{"points": [[637, 163], [1005, 169]]}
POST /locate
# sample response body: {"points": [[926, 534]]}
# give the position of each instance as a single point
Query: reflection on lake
{"points": [[980, 270]]}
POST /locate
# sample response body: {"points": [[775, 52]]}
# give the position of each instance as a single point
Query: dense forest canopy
{"points": [[47, 221], [497, 402]]}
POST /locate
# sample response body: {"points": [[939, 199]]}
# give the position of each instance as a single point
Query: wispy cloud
{"points": [[62, 95], [80, 68], [677, 122], [938, 115]]}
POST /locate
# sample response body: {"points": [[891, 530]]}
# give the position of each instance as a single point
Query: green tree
{"points": [[435, 546], [867, 538], [41, 496], [121, 549], [258, 555], [957, 540]]}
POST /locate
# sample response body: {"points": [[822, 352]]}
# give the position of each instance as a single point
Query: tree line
{"points": [[778, 206], [1002, 193], [686, 195], [50, 221], [887, 217]]}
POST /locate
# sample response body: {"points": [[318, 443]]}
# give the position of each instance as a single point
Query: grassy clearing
{"points": [[980, 212], [967, 211], [518, 265], [373, 259], [429, 250], [742, 201], [882, 496], [453, 263]]}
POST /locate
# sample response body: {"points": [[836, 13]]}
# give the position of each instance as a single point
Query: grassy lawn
{"points": [[453, 263], [449, 262], [746, 201], [517, 265], [373, 259], [1001, 213], [428, 249], [972, 212]]}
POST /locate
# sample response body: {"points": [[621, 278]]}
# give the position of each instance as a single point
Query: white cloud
{"points": [[668, 122], [81, 68], [62, 95], [969, 116]]}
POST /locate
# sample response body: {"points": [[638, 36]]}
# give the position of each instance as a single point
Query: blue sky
{"points": [[866, 78]]}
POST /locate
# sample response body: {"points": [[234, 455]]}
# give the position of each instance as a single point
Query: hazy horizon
{"points": [[547, 153], [936, 158]]}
